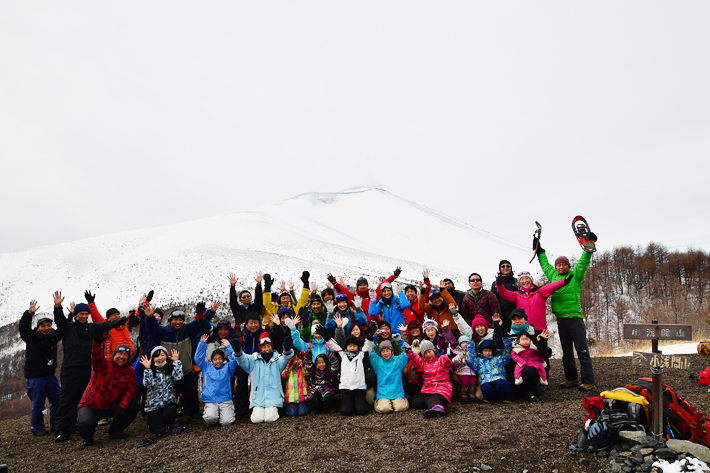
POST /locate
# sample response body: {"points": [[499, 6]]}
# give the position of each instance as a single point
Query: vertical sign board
{"points": [[657, 361]]}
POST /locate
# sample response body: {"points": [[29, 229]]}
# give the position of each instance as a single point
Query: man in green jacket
{"points": [[567, 307]]}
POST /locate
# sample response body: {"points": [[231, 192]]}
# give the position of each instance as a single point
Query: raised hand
{"points": [[233, 279], [329, 306], [323, 332], [200, 307], [275, 320], [58, 299], [148, 310], [145, 361], [72, 304], [445, 323], [297, 320], [290, 285], [401, 328], [89, 296], [259, 276], [397, 272], [329, 285], [425, 273], [545, 334], [441, 283], [282, 286], [33, 307], [224, 342], [338, 320], [357, 301], [268, 282], [314, 287], [174, 355], [341, 281], [331, 279], [204, 337], [142, 300], [304, 278], [496, 318], [500, 280], [149, 297], [215, 305], [452, 305]]}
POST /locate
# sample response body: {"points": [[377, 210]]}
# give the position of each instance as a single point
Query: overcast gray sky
{"points": [[116, 116]]}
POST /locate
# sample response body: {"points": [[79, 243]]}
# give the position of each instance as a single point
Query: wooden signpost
{"points": [[657, 361]]}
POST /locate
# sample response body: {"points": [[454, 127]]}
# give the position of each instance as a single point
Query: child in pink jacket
{"points": [[530, 297], [526, 354], [436, 387]]}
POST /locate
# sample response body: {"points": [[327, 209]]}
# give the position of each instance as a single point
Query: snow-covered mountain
{"points": [[359, 231]]}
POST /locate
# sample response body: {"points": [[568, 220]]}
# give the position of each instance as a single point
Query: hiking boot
{"points": [[505, 401], [533, 398], [464, 395], [434, 412], [88, 442], [118, 436], [104, 422], [570, 383], [40, 433], [586, 387], [61, 438]]}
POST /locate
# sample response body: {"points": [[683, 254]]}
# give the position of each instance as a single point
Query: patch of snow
{"points": [[676, 349]]}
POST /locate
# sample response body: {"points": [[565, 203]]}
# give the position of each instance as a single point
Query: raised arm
{"points": [[26, 322], [59, 318], [96, 316]]}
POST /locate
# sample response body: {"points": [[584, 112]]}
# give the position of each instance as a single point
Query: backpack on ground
{"points": [[681, 419], [602, 426], [635, 405], [704, 377]]}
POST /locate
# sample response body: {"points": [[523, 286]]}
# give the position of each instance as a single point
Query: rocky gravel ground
{"points": [[499, 438]]}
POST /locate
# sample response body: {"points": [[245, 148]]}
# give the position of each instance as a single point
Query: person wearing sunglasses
{"points": [[479, 301], [505, 274]]}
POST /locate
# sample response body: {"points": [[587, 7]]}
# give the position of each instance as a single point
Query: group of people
{"points": [[337, 350]]}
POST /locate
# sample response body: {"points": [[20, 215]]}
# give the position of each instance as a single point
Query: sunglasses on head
{"points": [[123, 349]]}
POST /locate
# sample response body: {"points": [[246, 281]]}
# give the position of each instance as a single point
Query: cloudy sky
{"points": [[116, 116]]}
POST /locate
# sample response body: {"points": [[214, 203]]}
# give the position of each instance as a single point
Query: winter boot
{"points": [[435, 411], [464, 394]]}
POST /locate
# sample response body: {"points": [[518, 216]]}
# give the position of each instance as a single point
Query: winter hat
{"points": [[464, 338], [160, 312], [265, 339], [81, 308], [157, 349], [316, 298], [479, 320], [523, 274], [43, 319], [361, 280], [224, 323], [341, 298], [284, 311], [424, 346], [352, 340], [487, 343], [504, 261], [518, 313], [385, 344], [176, 314], [121, 348], [563, 260], [112, 311], [434, 293], [430, 323], [413, 324], [386, 284]]}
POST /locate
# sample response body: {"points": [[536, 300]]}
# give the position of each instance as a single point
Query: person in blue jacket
{"points": [[265, 367], [390, 307], [217, 382], [388, 367]]}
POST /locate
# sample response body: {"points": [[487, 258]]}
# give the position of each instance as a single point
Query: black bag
{"points": [[603, 430]]}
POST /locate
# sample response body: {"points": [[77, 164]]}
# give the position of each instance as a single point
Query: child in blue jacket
{"points": [[217, 382], [490, 367]]}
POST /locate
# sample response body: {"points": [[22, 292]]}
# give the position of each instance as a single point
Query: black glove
{"points": [[371, 329], [568, 279], [98, 334], [323, 332], [268, 281], [236, 346], [332, 279], [452, 355], [133, 320], [199, 308], [592, 236], [89, 296], [304, 278], [149, 297], [397, 272], [500, 280], [288, 344], [540, 250]]}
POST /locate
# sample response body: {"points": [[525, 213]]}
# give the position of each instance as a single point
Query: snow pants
{"points": [[39, 389], [88, 418], [499, 387], [264, 414], [74, 380], [427, 401], [222, 412], [573, 337], [386, 406], [354, 402]]}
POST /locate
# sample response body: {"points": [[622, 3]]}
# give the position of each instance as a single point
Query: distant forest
{"points": [[637, 285]]}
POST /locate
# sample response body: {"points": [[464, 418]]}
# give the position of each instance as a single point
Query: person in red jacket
{"points": [[109, 394], [117, 336], [362, 291]]}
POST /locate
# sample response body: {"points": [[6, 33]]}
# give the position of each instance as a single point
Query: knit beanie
{"points": [[385, 344], [430, 323], [284, 311], [81, 308], [424, 346], [112, 311], [479, 320], [563, 260], [464, 338], [120, 348], [157, 349], [316, 298], [523, 274], [518, 313]]}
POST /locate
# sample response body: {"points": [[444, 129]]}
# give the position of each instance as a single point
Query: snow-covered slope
{"points": [[360, 231]]}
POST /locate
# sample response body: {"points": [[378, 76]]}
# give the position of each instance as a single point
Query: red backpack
{"points": [[682, 421], [704, 378]]}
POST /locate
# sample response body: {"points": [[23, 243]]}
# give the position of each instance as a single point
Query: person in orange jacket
{"points": [[118, 336]]}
